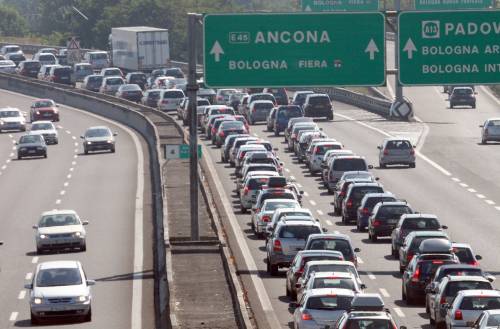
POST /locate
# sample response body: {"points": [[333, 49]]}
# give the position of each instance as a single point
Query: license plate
{"points": [[47, 114], [31, 151], [392, 221]]}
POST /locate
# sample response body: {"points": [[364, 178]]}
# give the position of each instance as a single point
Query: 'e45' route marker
{"points": [[449, 47], [300, 49]]}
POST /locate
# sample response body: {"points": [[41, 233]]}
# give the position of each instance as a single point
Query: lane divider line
{"points": [[399, 312], [471, 190], [319, 212], [464, 185], [329, 222], [66, 184], [497, 208], [63, 192], [69, 176], [384, 292], [58, 201], [360, 260], [34, 260], [306, 194], [455, 179], [490, 202], [28, 276], [480, 196], [22, 294], [312, 202], [13, 316], [371, 275]]}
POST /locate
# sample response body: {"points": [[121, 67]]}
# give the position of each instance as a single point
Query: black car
{"points": [[463, 96], [29, 68], [318, 105], [354, 195], [61, 74], [228, 128], [97, 139], [16, 58], [137, 78], [174, 72], [419, 273], [385, 216], [151, 97], [279, 94], [92, 82], [31, 145]]}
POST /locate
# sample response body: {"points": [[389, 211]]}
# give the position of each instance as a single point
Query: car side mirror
{"points": [[479, 257], [317, 219], [357, 250], [444, 227], [325, 230], [82, 137], [363, 286], [370, 167], [293, 305], [377, 178], [90, 282], [85, 222], [115, 134], [481, 126], [301, 192], [16, 143], [379, 147], [282, 164], [28, 286], [35, 227]]}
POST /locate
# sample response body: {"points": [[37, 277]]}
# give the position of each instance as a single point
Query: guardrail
{"points": [[125, 113]]}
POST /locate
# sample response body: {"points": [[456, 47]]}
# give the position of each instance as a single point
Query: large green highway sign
{"points": [[449, 47], [337, 5], [452, 4], [303, 49]]}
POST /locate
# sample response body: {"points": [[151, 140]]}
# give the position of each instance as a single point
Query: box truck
{"points": [[139, 48]]}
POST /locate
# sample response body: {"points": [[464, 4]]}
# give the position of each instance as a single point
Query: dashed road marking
{"points": [[13, 316], [319, 212], [22, 294], [34, 260], [255, 134], [360, 260], [370, 275], [399, 312], [306, 194], [471, 190], [312, 202], [58, 201], [10, 135], [76, 150], [59, 126], [68, 132], [14, 148], [490, 202], [3, 167], [63, 192], [8, 160], [69, 176], [28, 276], [464, 185], [329, 222], [71, 169], [75, 156], [480, 196], [73, 163], [76, 144], [336, 232], [455, 179], [66, 184], [384, 292], [287, 170], [74, 137], [299, 185], [12, 154]]}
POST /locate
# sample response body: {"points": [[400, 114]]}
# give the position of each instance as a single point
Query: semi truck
{"points": [[139, 48]]}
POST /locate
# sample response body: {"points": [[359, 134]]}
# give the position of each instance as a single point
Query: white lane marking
{"points": [[336, 232], [73, 163], [13, 316], [329, 222], [58, 201], [22, 294], [71, 169], [12, 154], [293, 178], [497, 208], [287, 170], [74, 137], [66, 184], [464, 185], [8, 160], [76, 144], [319, 212], [306, 194], [63, 192], [490, 202], [471, 190], [76, 150], [28, 276], [10, 135], [370, 275], [69, 176], [384, 292], [360, 260], [480, 196], [399, 312], [14, 148], [59, 126], [299, 185], [455, 179], [75, 156], [3, 167], [312, 202], [34, 260], [68, 132], [255, 134], [13, 142]]}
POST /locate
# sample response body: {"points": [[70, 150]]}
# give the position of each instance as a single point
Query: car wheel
{"points": [[432, 321], [19, 157], [39, 251], [484, 141], [45, 155], [84, 247], [381, 165], [85, 151], [276, 133], [88, 317], [56, 142], [112, 150], [474, 105], [373, 237], [34, 319], [273, 270], [243, 209], [330, 117], [412, 165]]}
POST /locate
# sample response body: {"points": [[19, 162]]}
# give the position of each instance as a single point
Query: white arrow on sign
{"points": [[410, 48], [216, 51], [372, 49], [308, 8]]}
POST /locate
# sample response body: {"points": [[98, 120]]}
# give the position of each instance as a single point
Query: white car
{"points": [[60, 289], [60, 229], [332, 280], [47, 130], [12, 119], [468, 306], [263, 217], [7, 66], [488, 320], [170, 99]]}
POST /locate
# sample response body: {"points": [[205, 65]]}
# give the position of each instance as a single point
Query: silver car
{"points": [[490, 130], [60, 289], [251, 188], [320, 308], [342, 280], [396, 151], [488, 320], [468, 306], [315, 157], [261, 218], [60, 229]]}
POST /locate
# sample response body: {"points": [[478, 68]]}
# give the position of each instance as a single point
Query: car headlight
{"points": [[37, 112], [22, 149], [89, 143], [37, 301], [1, 122], [56, 111], [43, 236], [77, 234], [110, 142], [82, 299]]}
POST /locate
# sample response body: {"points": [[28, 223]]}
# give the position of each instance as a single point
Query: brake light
{"points": [[365, 211], [458, 315], [315, 150], [221, 134], [266, 218], [412, 152], [474, 263], [277, 246], [416, 275], [342, 193], [442, 300], [409, 256], [376, 223], [349, 204], [386, 152], [437, 262], [306, 316], [245, 190]]}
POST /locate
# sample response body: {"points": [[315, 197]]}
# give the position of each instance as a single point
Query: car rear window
{"points": [[232, 125], [480, 303], [493, 320], [333, 268], [459, 272], [354, 164], [429, 267], [262, 160], [98, 56], [462, 91], [329, 303], [261, 168], [453, 287], [280, 204], [263, 98], [319, 100], [177, 73], [392, 212], [358, 192], [398, 145], [289, 112], [371, 202], [173, 94], [201, 102], [332, 244], [368, 324], [322, 149], [32, 65], [464, 254], [257, 183], [333, 283], [154, 94], [46, 57], [420, 224], [62, 71], [263, 106], [298, 231]]}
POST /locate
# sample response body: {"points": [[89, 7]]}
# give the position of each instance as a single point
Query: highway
{"points": [[105, 189], [447, 181]]}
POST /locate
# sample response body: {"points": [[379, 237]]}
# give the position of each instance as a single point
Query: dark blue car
{"points": [[283, 114]]}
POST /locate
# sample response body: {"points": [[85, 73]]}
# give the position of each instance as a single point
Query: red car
{"points": [[44, 109]]}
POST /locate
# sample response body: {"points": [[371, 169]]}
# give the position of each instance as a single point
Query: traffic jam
{"points": [[320, 268]]}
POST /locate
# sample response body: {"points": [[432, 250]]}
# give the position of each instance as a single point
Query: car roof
{"points": [[42, 121], [330, 292], [454, 278], [396, 139], [457, 266], [418, 216], [428, 233], [262, 173], [320, 253], [392, 203], [299, 223], [330, 262], [294, 209], [98, 127], [278, 200], [461, 245], [59, 264], [364, 184], [479, 292], [58, 212], [378, 195], [330, 236], [347, 275], [492, 311], [342, 157]]}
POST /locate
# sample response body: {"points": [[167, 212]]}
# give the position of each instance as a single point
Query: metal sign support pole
{"points": [[399, 88], [192, 88]]}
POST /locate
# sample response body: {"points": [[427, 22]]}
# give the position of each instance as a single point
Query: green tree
{"points": [[11, 23]]}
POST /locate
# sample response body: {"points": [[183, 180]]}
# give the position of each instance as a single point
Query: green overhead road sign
{"points": [[280, 50], [449, 47], [452, 4], [339, 5]]}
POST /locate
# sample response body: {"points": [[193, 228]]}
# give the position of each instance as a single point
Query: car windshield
{"points": [[281, 204], [32, 65], [392, 212], [454, 287], [329, 303], [480, 303], [353, 164], [46, 57], [420, 224], [493, 320], [27, 139], [42, 126], [398, 145], [464, 254], [98, 56], [99, 132], [222, 111], [333, 283], [9, 114], [58, 220], [332, 244], [137, 78], [368, 324], [96, 79], [54, 277], [44, 104], [112, 72], [257, 182], [298, 231], [62, 71]]}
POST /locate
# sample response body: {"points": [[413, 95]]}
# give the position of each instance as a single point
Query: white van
{"points": [[98, 59]]}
